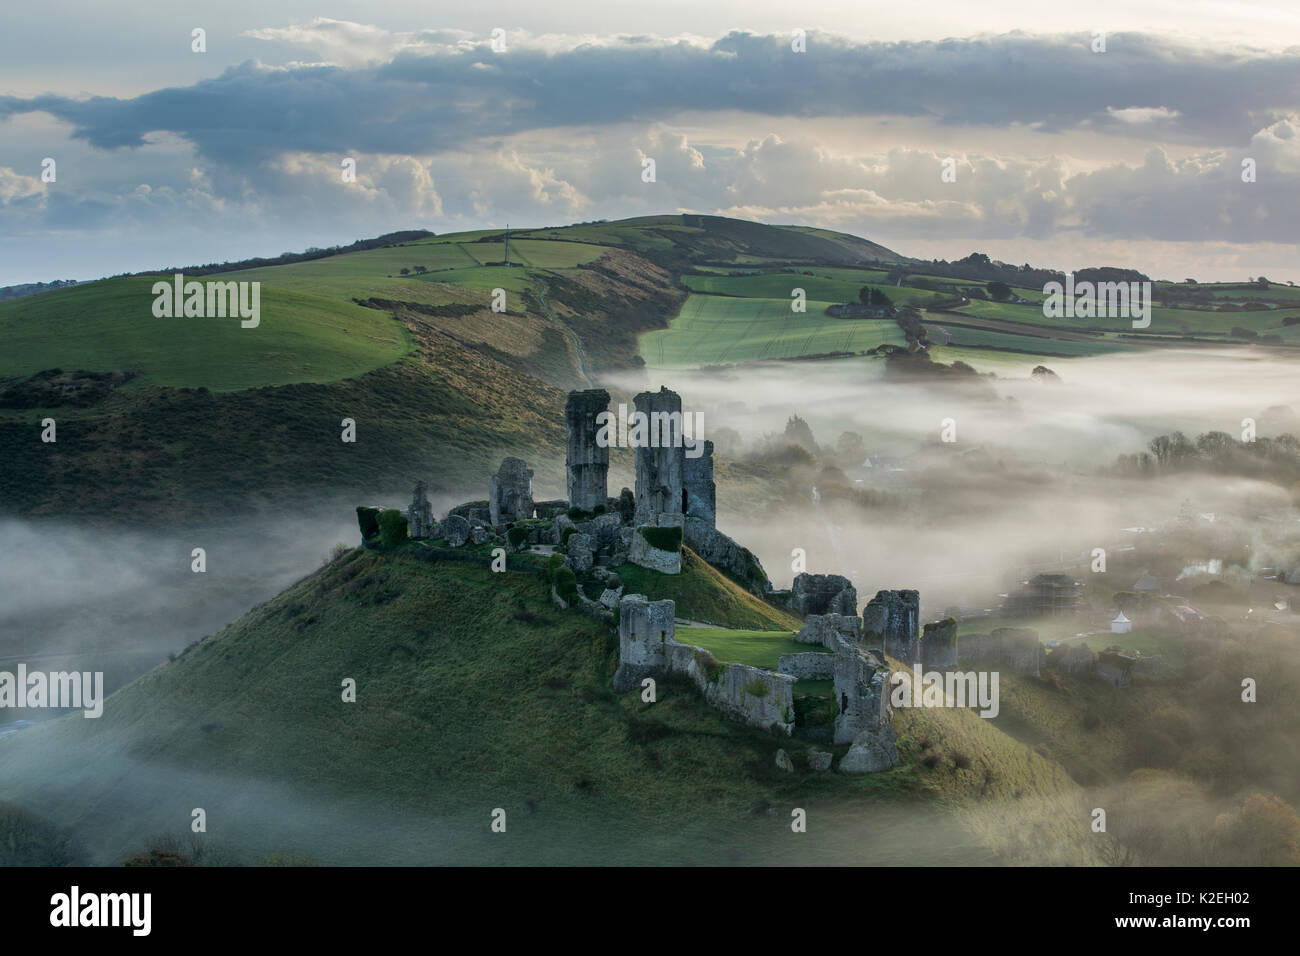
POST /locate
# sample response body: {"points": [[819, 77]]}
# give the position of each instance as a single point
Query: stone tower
{"points": [[588, 462], [510, 492], [660, 457], [645, 630], [700, 492]]}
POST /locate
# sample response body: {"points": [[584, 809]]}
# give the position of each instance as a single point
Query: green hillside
{"points": [[110, 325], [402, 338], [472, 693]]}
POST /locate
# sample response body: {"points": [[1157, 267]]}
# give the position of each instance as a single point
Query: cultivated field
{"points": [[718, 330]]}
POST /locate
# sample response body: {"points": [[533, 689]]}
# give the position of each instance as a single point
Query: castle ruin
{"points": [[510, 492], [596, 534], [586, 460]]}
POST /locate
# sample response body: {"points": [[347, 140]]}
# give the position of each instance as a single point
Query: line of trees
{"points": [[1272, 459]]}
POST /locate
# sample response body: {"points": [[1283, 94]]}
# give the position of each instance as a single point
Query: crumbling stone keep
{"points": [[587, 461], [893, 615], [660, 459], [510, 492], [823, 594]]}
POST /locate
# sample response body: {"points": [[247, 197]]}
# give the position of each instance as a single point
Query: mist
{"points": [[1028, 485]]}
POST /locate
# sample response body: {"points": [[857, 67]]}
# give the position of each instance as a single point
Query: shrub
{"points": [[368, 521], [709, 664], [29, 840], [665, 539], [517, 537], [758, 688], [553, 562], [930, 761], [393, 530], [577, 514], [566, 535], [566, 584]]}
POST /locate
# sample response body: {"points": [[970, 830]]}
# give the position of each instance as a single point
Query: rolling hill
{"points": [[399, 334], [474, 693]]}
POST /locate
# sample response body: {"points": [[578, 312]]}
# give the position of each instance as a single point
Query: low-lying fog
{"points": [[1020, 489]]}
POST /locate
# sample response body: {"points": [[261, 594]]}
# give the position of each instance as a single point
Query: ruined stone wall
{"points": [[643, 553], [419, 517], [697, 482], [809, 665], [758, 697], [734, 694], [894, 616], [645, 631], [939, 645], [1016, 648], [659, 470], [510, 492], [863, 716], [823, 594], [1021, 650], [861, 691], [587, 463], [824, 629]]}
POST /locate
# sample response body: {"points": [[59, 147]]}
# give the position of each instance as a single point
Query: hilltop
{"points": [[474, 692]]}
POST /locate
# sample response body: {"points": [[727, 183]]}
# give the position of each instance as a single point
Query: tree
{"points": [[405, 271], [869, 296], [999, 291], [798, 432], [851, 448], [393, 528]]}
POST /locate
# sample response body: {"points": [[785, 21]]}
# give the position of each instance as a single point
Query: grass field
{"points": [[779, 285], [108, 325], [1162, 319], [1007, 341], [756, 648], [703, 593], [716, 330]]}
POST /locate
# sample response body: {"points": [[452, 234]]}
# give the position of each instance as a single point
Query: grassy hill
{"points": [[473, 693], [156, 414]]}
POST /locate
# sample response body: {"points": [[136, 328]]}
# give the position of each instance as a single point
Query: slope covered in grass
{"points": [[705, 594], [474, 693], [110, 325]]}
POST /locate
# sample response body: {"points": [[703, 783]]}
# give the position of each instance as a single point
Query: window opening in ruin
{"points": [[661, 637], [844, 702], [684, 508]]}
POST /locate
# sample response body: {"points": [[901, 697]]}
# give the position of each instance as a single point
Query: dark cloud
{"points": [[429, 102]]}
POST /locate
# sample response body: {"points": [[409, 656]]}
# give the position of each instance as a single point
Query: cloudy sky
{"points": [[1064, 156]]}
